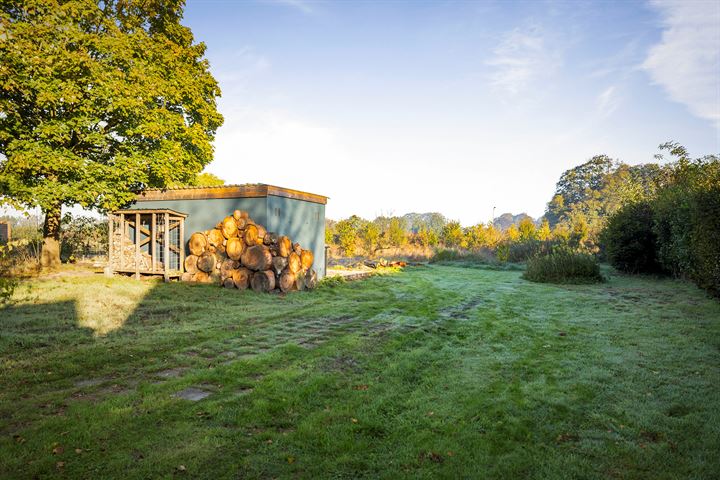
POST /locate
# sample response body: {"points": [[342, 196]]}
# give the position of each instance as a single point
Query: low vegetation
{"points": [[436, 372], [563, 266]]}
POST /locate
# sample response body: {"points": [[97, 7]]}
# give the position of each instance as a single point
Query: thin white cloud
{"points": [[686, 62], [521, 59], [608, 101]]}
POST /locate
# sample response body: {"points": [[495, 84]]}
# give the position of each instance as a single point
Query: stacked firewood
{"points": [[238, 253], [125, 248]]}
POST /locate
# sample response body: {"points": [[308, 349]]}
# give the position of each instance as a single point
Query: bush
{"points": [[677, 231], [525, 250], [563, 267], [629, 241], [705, 240]]}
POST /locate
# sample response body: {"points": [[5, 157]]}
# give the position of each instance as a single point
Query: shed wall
{"points": [[303, 222]]}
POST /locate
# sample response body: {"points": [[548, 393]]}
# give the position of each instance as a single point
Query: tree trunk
{"points": [[50, 256]]}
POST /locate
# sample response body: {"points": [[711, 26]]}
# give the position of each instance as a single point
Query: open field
{"points": [[435, 372]]}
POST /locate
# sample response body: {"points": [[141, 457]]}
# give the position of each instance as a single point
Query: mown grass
{"points": [[435, 372]]}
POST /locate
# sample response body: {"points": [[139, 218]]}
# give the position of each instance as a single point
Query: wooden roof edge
{"points": [[142, 211], [229, 191]]}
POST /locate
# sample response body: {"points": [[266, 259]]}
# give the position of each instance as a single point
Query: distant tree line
{"points": [[649, 218]]}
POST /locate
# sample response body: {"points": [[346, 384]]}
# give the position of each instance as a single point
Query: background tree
{"points": [[370, 237], [100, 101], [544, 233], [396, 232], [527, 230], [452, 235]]}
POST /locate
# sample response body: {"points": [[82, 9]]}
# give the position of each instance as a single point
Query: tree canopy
{"points": [[100, 100]]}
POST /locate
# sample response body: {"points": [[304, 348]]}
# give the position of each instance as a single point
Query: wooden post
{"points": [[111, 236], [122, 240], [166, 246], [137, 246], [153, 228], [181, 244]]}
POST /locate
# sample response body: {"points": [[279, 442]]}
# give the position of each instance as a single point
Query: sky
{"points": [[390, 107]]}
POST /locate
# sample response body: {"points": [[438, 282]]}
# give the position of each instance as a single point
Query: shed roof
{"points": [[143, 211], [249, 190]]}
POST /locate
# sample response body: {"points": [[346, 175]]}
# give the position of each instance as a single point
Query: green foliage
{"points": [[427, 237], [588, 194], [524, 250], [100, 100], [563, 266], [452, 235], [678, 229], [346, 236], [395, 234], [370, 237], [512, 233], [629, 241], [82, 236], [527, 230], [330, 231], [8, 282], [544, 232]]}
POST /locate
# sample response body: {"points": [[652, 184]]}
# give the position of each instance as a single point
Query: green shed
{"points": [[298, 215]]}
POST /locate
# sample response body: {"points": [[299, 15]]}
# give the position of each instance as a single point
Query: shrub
{"points": [[563, 266], [705, 240], [525, 250], [629, 241]]}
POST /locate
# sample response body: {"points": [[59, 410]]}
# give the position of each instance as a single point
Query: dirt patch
{"points": [[192, 394], [342, 363]]}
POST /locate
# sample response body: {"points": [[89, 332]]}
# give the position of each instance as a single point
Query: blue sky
{"points": [[390, 107]]}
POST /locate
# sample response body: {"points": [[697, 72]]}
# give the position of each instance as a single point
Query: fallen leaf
{"points": [[269, 442], [430, 414], [450, 453], [181, 468], [360, 387], [19, 439], [78, 450], [354, 420], [60, 465], [291, 460], [58, 450]]}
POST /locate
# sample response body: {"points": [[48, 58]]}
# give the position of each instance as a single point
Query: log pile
{"points": [[238, 253], [125, 248]]}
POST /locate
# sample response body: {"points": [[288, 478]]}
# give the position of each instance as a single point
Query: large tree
{"points": [[100, 99]]}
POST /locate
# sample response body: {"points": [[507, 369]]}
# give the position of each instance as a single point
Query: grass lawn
{"points": [[434, 372]]}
